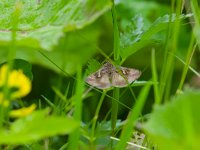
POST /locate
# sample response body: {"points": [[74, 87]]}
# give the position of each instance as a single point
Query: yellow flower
{"points": [[15, 80], [23, 111]]}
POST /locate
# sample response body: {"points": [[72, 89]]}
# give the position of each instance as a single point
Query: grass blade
{"points": [[168, 67], [128, 128], [116, 48], [190, 53], [155, 77], [74, 137]]}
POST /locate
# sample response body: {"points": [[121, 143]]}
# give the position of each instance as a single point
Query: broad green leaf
{"points": [[139, 30], [133, 32], [36, 126], [141, 38], [175, 125], [128, 9], [73, 49], [137, 20], [41, 23]]}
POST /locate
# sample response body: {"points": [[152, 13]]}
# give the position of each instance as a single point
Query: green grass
{"points": [[156, 38]]}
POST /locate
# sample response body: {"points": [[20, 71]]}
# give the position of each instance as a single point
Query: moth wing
{"points": [[130, 74], [118, 80], [101, 81], [124, 76]]}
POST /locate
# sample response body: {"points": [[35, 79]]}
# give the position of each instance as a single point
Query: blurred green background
{"points": [[56, 37], [52, 43]]}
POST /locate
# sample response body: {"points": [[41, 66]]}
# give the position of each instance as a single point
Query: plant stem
{"points": [[131, 120], [74, 137], [11, 55], [96, 117], [167, 70], [155, 77], [191, 50], [114, 111], [116, 48]]}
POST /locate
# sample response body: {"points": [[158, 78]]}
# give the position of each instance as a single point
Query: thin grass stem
{"points": [[190, 53], [155, 77], [131, 120], [92, 139], [75, 136]]}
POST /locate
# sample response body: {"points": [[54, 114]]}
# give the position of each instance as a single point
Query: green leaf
{"points": [[131, 120], [132, 32], [144, 29], [141, 38], [42, 23], [36, 126], [175, 125], [73, 49]]}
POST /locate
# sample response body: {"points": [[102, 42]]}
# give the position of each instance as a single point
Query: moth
{"points": [[111, 76]]}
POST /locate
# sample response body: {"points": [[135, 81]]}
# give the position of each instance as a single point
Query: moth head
{"points": [[108, 65], [108, 68]]}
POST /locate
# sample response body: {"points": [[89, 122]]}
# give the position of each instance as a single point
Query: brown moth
{"points": [[111, 76]]}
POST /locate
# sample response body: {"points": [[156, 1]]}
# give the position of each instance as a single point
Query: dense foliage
{"points": [[49, 48]]}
